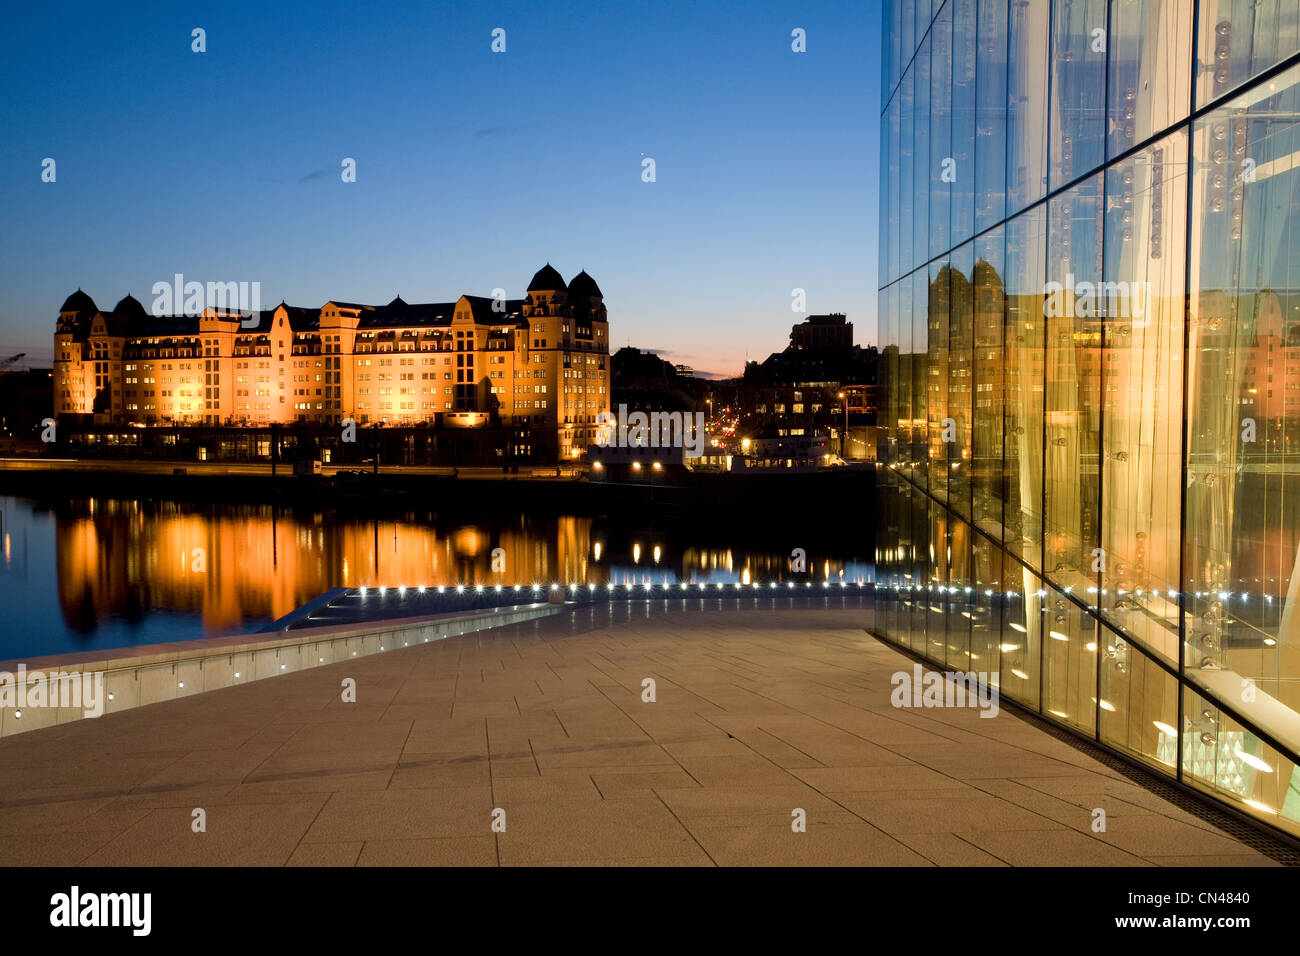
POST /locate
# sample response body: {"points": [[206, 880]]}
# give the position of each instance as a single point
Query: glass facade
{"points": [[1090, 331]]}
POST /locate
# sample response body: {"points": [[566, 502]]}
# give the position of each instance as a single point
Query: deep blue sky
{"points": [[473, 168]]}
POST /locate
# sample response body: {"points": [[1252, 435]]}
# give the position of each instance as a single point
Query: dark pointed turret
{"points": [[584, 284], [130, 308], [80, 303], [547, 279]]}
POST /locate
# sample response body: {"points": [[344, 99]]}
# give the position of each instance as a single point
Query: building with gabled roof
{"points": [[541, 361]]}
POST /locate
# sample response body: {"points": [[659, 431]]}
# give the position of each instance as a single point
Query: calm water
{"points": [[102, 573]]}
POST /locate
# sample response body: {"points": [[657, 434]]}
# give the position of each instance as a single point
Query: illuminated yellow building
{"points": [[541, 361]]}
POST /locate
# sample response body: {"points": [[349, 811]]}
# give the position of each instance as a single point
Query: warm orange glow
{"points": [[253, 567]]}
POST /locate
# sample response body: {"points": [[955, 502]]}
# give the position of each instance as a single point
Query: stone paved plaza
{"points": [[759, 711]]}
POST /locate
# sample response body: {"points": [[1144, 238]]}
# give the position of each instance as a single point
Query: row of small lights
{"points": [[648, 585], [636, 466], [181, 684], [684, 585], [1041, 592]]}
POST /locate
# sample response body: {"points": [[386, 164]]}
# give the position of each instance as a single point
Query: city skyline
{"points": [[577, 435], [471, 166]]}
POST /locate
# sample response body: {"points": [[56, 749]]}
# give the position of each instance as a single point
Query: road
{"points": [[264, 469]]}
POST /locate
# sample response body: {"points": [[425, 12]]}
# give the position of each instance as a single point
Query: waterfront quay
{"points": [[670, 731], [563, 488]]}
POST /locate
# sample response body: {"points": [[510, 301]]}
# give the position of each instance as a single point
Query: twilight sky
{"points": [[473, 168]]}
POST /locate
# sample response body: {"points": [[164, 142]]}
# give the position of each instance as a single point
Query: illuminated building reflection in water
{"points": [[133, 572]]}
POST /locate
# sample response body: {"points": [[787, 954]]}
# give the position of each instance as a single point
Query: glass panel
{"points": [[941, 171], [1139, 703], [886, 543], [906, 174], [985, 606], [963, 119], [936, 380], [1022, 634], [1023, 409], [920, 359], [890, 20], [1240, 39], [935, 597], [1142, 372], [887, 376], [1069, 662], [1072, 409], [900, 619], [1150, 69], [918, 575], [1223, 757], [891, 200], [886, 191], [1242, 534], [1040, 518], [924, 170], [958, 597], [1078, 109], [904, 375], [961, 356], [907, 41], [1027, 105], [989, 366], [991, 115]]}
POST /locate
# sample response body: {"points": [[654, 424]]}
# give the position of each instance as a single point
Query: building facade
{"points": [[1090, 372], [541, 361], [822, 332]]}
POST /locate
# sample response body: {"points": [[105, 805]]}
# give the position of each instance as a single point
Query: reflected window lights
{"points": [[1045, 514]]}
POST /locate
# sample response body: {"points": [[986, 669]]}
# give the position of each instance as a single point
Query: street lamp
{"points": [[844, 434]]}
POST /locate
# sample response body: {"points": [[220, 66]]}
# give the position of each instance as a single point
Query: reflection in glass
{"points": [[1027, 105], [1093, 413], [991, 115], [1078, 85], [937, 378], [934, 598], [1142, 373], [941, 172], [961, 359], [1219, 754], [1242, 538], [1069, 661], [1023, 391], [1150, 69], [963, 118], [1022, 634], [926, 167], [919, 455], [1240, 39], [984, 605], [905, 253], [958, 596], [1139, 702], [987, 490], [1072, 407]]}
